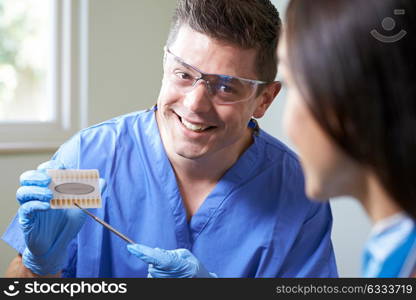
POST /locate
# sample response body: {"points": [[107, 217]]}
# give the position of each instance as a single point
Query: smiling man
{"points": [[203, 117], [194, 180]]}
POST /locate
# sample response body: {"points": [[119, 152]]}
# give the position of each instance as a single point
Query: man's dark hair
{"points": [[359, 85], [245, 23]]}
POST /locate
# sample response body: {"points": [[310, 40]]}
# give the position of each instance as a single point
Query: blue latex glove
{"points": [[176, 263], [47, 231]]}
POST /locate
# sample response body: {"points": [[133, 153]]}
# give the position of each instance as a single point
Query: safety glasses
{"points": [[224, 89]]}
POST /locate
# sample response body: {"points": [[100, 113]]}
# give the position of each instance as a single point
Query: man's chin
{"points": [[192, 154], [189, 155]]}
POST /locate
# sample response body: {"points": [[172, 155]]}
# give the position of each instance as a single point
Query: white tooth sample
{"points": [[193, 127], [74, 186]]}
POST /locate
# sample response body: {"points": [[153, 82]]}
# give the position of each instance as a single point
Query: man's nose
{"points": [[198, 99]]}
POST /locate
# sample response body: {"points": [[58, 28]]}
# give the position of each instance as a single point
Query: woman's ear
{"points": [[266, 98]]}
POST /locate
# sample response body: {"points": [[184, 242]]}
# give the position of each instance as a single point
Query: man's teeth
{"points": [[193, 127]]}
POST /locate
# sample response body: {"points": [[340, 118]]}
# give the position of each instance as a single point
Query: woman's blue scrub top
{"points": [[256, 222]]}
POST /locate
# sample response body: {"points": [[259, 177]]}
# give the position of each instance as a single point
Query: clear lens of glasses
{"points": [[225, 89]]}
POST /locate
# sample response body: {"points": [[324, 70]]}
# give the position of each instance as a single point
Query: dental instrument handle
{"points": [[106, 225]]}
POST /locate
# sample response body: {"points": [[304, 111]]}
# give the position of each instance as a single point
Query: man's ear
{"points": [[266, 98]]}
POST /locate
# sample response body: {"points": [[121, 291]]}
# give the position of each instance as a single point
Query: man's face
{"points": [[191, 124]]}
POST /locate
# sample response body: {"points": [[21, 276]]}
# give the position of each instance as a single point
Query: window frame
{"points": [[69, 80]]}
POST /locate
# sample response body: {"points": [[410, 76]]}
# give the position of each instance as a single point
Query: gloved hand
{"points": [[176, 263], [47, 231]]}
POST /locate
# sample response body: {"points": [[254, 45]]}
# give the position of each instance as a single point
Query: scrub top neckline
{"points": [[187, 231]]}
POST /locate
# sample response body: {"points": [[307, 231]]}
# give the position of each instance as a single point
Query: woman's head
{"points": [[353, 94]]}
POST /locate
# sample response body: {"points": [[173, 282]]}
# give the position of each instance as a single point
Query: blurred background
{"points": [[68, 64]]}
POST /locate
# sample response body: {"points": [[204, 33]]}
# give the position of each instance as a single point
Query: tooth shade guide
{"points": [[75, 186]]}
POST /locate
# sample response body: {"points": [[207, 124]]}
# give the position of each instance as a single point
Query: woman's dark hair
{"points": [[245, 23], [358, 80]]}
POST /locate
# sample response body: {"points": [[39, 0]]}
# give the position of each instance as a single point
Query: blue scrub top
{"points": [[256, 222], [390, 250]]}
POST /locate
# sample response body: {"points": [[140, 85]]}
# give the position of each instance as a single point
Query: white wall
{"points": [[125, 55]]}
